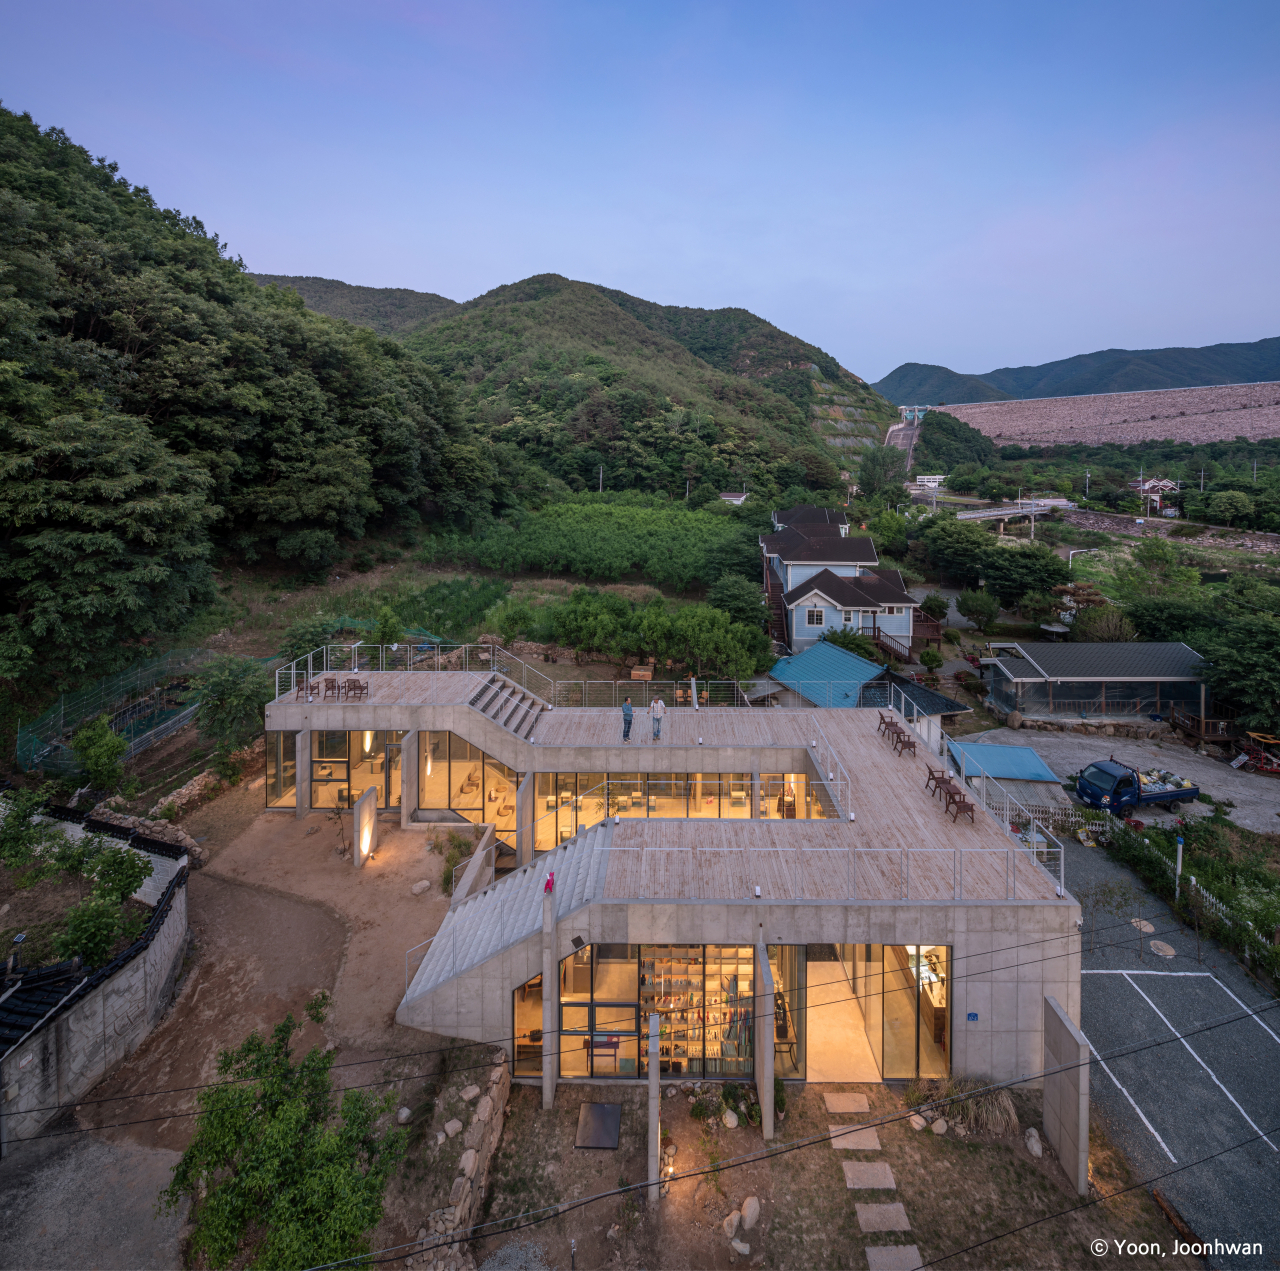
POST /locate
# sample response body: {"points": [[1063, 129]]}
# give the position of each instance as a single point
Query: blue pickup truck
{"points": [[1116, 787]]}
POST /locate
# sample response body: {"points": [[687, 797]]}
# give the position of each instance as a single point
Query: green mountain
{"points": [[570, 377], [575, 377], [386, 310], [918, 384], [1107, 371]]}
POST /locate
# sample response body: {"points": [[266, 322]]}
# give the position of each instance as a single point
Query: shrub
{"points": [[936, 606], [853, 642], [90, 931], [390, 629], [931, 660], [707, 1107], [101, 753], [989, 1113], [118, 872], [1102, 624], [362, 561], [951, 636], [234, 692], [739, 597], [306, 635], [779, 1095]]}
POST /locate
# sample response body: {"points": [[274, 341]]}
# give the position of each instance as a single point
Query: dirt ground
{"points": [[956, 1193]]}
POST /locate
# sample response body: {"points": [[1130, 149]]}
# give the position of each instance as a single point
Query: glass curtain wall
{"points": [[282, 770], [527, 1012], [599, 990], [346, 764], [455, 775], [905, 994], [787, 961]]}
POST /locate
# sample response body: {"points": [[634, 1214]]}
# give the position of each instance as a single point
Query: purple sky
{"points": [[975, 185]]}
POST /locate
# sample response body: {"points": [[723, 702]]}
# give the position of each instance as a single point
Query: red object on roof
{"points": [[551, 881]]}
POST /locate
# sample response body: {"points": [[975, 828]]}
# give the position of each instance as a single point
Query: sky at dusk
{"points": [[974, 185]]}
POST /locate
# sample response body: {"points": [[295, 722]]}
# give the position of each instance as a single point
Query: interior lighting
{"points": [[368, 744]]}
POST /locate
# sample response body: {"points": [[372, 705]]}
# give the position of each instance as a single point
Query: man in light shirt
{"points": [[657, 708]]}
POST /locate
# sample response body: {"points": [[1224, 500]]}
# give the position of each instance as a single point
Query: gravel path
{"points": [[1257, 798]]}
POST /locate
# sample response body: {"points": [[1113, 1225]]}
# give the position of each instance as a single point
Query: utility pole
{"points": [[1086, 483], [686, 489], [1201, 480], [1255, 472], [602, 478]]}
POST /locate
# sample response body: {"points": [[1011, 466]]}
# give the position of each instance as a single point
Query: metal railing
{"points": [[1015, 818]]}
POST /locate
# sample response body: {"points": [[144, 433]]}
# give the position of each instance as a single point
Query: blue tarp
{"points": [[1004, 763]]}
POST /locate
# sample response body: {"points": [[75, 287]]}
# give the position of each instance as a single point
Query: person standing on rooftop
{"points": [[657, 708], [626, 719]]}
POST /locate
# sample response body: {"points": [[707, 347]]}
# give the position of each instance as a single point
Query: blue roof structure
{"points": [[1004, 763], [826, 674]]}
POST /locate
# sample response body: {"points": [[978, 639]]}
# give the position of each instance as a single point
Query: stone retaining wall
{"points": [[479, 1139], [100, 1020]]}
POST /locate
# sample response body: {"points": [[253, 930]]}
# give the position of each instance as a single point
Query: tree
{"points": [[1153, 570], [1079, 596], [853, 642], [956, 548], [883, 471], [306, 635], [1102, 624], [118, 872], [1011, 572], [936, 606], [90, 930], [705, 639], [233, 692], [739, 597], [104, 537], [889, 533], [1039, 607], [980, 607], [275, 1176], [390, 629], [100, 752], [1230, 505], [931, 660], [1242, 667]]}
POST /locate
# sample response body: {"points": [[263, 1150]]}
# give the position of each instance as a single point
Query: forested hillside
{"points": [[1107, 371], [155, 404], [386, 310], [559, 376]]}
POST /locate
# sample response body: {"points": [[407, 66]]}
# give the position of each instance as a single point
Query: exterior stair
{"points": [[508, 705]]}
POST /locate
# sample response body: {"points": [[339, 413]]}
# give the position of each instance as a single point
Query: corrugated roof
{"points": [[825, 663], [1004, 763], [927, 701], [1133, 660]]}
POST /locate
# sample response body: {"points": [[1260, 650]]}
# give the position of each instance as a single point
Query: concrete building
{"points": [[777, 885]]}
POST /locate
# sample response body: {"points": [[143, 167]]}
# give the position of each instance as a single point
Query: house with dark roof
{"points": [[806, 515], [1097, 681], [875, 602]]}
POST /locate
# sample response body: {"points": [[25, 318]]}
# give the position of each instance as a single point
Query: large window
{"points": [[457, 776], [282, 770], [527, 1011], [904, 991], [344, 765], [599, 1027]]}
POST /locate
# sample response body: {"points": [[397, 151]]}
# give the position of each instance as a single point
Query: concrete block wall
{"points": [[1066, 1094], [59, 1062], [163, 870]]}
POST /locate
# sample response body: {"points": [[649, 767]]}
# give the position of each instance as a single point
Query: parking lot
{"points": [[1209, 1088]]}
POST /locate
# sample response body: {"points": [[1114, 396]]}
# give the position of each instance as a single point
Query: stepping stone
{"points": [[842, 1102], [1164, 950], [893, 1258], [860, 1175], [850, 1137], [883, 1217]]}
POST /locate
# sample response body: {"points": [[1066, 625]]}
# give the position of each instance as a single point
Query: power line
{"points": [[552, 1211], [439, 1050]]}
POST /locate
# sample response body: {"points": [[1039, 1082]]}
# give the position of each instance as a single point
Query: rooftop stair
{"points": [[508, 705]]}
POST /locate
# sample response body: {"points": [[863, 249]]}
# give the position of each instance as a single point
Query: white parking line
{"points": [[1202, 1063], [1132, 1104]]}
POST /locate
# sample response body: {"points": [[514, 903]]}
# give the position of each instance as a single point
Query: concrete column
{"points": [[364, 831], [408, 776], [302, 796], [755, 796], [764, 1039], [550, 1000], [524, 820], [655, 1119]]}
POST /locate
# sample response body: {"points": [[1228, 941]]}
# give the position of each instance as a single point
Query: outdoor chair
{"points": [[357, 689], [903, 742], [934, 777], [331, 688], [306, 689], [885, 721], [961, 805]]}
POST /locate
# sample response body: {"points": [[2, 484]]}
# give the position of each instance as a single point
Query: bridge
{"points": [[1008, 510]]}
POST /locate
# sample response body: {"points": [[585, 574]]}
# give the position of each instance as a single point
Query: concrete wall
{"points": [[1007, 957], [163, 871], [1066, 1093], [59, 1062]]}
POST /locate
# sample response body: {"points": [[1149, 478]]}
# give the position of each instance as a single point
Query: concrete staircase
{"points": [[509, 705]]}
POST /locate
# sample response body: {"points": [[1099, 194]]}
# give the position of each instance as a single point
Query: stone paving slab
{"points": [[883, 1217], [842, 1101], [852, 1138], [893, 1258], [862, 1175]]}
